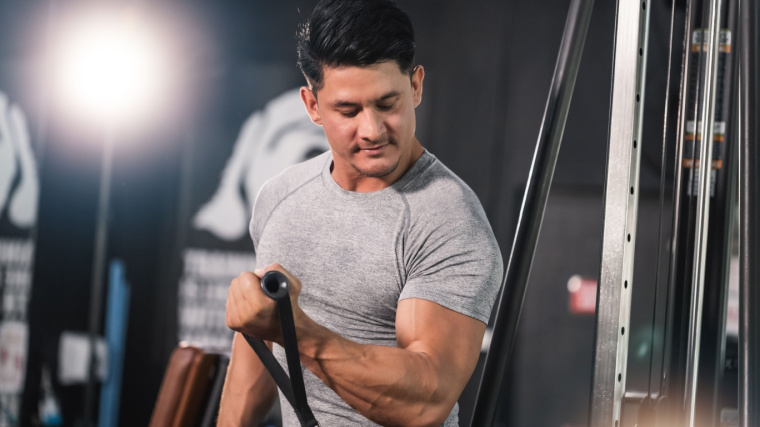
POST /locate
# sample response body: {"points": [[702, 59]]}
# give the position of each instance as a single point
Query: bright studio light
{"points": [[110, 69]]}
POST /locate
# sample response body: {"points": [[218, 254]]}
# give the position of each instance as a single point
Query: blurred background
{"points": [[134, 136]]}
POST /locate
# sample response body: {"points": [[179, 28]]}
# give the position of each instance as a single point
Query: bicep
{"points": [[449, 339]]}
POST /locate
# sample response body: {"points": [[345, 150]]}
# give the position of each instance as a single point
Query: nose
{"points": [[371, 126]]}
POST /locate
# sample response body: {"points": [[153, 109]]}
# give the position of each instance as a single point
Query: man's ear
{"points": [[418, 75], [310, 101]]}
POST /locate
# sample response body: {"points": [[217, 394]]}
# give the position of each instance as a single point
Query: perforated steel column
{"points": [[620, 210]]}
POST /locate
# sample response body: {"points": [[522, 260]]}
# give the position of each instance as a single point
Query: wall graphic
{"points": [[269, 141], [17, 166], [19, 192]]}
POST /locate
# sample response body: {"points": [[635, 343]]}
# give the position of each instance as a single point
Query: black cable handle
{"points": [[276, 286]]}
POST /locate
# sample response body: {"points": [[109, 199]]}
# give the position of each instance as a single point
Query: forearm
{"points": [[416, 383], [249, 390], [388, 385]]}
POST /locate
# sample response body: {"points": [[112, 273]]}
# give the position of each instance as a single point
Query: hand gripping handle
{"points": [[276, 286]]}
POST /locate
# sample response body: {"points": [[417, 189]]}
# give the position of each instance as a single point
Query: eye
{"points": [[349, 114], [385, 107]]}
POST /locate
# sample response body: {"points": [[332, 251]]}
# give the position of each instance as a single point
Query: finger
{"points": [[281, 269], [238, 304], [276, 267]]}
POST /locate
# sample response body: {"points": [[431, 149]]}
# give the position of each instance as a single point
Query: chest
{"points": [[348, 258]]}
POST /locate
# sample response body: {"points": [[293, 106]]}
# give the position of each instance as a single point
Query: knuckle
{"points": [[228, 320]]}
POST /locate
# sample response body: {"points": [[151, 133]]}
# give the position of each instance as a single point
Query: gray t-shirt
{"points": [[358, 254]]}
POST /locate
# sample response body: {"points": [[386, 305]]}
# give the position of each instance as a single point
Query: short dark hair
{"points": [[354, 33]]}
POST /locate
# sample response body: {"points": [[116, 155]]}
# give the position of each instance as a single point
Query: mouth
{"points": [[373, 150]]}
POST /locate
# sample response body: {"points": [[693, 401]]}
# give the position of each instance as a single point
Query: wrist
{"points": [[311, 336]]}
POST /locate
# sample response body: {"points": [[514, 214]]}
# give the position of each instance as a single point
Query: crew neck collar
{"points": [[425, 159]]}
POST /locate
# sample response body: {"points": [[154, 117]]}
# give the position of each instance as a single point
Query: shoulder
{"points": [[282, 186], [445, 216], [438, 194], [293, 177], [451, 255]]}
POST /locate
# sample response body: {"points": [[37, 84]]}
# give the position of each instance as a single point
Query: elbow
{"points": [[434, 412], [432, 416], [431, 412], [441, 398]]}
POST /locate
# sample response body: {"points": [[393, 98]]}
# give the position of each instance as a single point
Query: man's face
{"points": [[368, 117]]}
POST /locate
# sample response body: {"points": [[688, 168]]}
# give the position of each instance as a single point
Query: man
{"points": [[392, 263]]}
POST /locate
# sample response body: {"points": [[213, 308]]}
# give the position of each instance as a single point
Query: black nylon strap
{"points": [[275, 285], [274, 368]]}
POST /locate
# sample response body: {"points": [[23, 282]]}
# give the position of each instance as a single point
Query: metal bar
{"points": [[532, 211], [706, 127], [663, 168], [98, 273], [620, 211], [710, 377], [678, 205], [749, 220]]}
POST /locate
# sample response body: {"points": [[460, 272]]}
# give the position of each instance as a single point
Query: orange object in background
{"points": [[582, 295]]}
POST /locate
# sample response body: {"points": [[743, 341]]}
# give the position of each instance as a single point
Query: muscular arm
{"points": [[416, 383], [249, 390]]}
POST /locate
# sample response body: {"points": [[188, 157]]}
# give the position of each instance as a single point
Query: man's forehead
{"points": [[375, 81]]}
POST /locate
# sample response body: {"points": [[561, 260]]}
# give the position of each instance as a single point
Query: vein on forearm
{"points": [[370, 378]]}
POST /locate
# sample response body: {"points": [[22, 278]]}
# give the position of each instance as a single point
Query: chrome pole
{"points": [[706, 128]]}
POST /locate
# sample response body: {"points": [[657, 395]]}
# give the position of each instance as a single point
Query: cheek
{"points": [[395, 122], [398, 123], [338, 132]]}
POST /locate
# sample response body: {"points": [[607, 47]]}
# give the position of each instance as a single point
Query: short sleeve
{"points": [[452, 257]]}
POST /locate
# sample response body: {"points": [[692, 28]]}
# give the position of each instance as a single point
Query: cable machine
{"points": [[716, 119]]}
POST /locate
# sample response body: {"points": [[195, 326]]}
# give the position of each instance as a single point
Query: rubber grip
{"points": [[274, 284]]}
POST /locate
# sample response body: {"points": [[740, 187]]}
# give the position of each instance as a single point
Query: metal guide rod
{"points": [[620, 212], [707, 114], [653, 392], [532, 211], [676, 226], [749, 220]]}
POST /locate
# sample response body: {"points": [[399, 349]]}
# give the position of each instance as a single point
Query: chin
{"points": [[377, 171]]}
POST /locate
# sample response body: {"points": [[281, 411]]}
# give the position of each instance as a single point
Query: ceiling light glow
{"points": [[111, 69]]}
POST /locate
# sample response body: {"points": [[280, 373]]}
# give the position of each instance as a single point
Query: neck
{"points": [[351, 180]]}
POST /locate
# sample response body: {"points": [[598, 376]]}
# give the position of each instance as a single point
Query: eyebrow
{"points": [[343, 104]]}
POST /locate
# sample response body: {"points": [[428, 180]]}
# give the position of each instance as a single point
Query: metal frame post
{"points": [[532, 211], [749, 220], [620, 213]]}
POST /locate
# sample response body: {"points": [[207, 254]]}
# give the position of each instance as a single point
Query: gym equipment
{"points": [[276, 286], [717, 122], [532, 212]]}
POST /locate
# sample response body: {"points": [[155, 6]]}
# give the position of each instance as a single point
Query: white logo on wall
{"points": [[280, 135], [19, 192], [17, 159]]}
